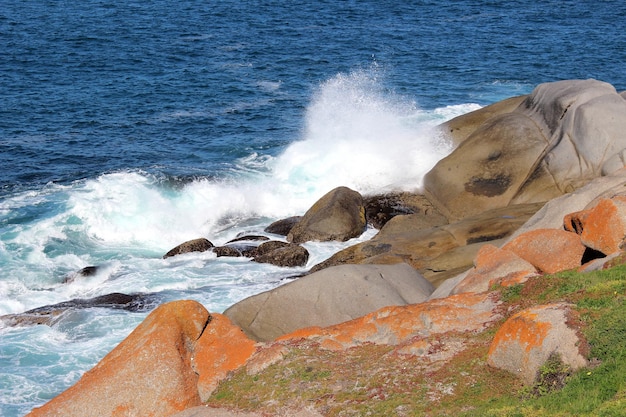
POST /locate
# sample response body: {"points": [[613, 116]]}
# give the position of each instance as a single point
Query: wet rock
{"points": [[226, 251], [87, 271], [49, 314], [338, 215], [196, 245], [282, 254], [379, 209], [283, 227]]}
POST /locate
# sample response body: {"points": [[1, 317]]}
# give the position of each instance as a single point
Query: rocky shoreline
{"points": [[535, 185]]}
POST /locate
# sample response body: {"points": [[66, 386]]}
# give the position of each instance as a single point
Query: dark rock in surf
{"points": [[283, 227], [87, 271], [251, 238], [226, 251], [381, 208], [338, 215], [196, 245], [282, 254], [51, 313]]}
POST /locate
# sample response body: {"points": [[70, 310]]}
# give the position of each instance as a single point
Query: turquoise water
{"points": [[128, 128]]}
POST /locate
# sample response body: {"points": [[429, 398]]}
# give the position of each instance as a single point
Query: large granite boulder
{"points": [[559, 138], [338, 215], [459, 128], [149, 374], [436, 252], [328, 297]]}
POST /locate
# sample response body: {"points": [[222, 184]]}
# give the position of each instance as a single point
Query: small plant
{"points": [[551, 376]]}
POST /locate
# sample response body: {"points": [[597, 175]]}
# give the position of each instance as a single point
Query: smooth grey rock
{"points": [[328, 297]]}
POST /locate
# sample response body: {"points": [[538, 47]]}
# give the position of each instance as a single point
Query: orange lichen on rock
{"points": [[395, 324], [149, 373], [265, 356], [548, 250], [602, 227], [527, 339], [222, 348], [495, 266]]}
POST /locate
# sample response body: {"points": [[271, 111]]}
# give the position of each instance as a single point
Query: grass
{"points": [[377, 381]]}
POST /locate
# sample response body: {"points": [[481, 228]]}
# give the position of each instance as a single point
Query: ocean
{"points": [[127, 128]]}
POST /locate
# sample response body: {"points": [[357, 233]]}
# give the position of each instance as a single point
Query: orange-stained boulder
{"points": [[549, 250], [495, 266], [526, 341], [222, 348], [148, 374], [393, 325], [265, 357], [602, 227]]}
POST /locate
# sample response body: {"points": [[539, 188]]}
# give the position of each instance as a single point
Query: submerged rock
{"points": [[49, 314], [87, 271]]}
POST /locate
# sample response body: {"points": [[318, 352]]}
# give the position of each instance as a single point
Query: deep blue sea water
{"points": [[129, 127]]}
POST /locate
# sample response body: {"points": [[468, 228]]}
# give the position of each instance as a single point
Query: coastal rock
{"points": [[338, 215], [495, 266], [204, 411], [527, 339], [220, 251], [328, 297], [548, 250], [51, 314], [148, 374], [537, 152], [88, 271], [404, 240], [282, 227], [552, 214], [459, 128], [286, 255], [196, 245], [379, 209], [222, 348], [246, 245], [469, 312], [602, 227]]}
